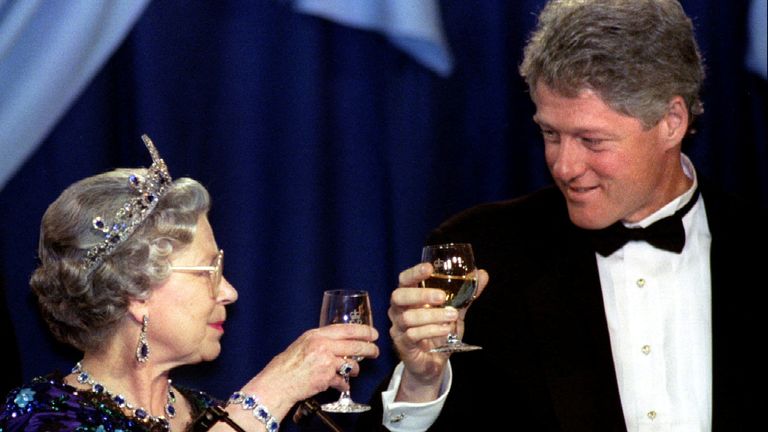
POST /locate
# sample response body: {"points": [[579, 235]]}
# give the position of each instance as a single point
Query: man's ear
{"points": [[675, 121]]}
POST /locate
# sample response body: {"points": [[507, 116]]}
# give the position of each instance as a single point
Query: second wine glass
{"points": [[346, 307], [453, 272]]}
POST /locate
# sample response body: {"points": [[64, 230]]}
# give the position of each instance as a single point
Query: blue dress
{"points": [[48, 404]]}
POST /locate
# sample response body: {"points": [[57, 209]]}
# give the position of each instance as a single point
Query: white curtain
{"points": [[49, 51], [757, 47], [414, 26]]}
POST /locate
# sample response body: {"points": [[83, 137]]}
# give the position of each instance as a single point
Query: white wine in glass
{"points": [[346, 307], [453, 272]]}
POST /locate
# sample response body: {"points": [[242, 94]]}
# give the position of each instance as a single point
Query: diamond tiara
{"points": [[149, 189]]}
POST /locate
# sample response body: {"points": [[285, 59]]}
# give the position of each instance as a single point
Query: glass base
{"points": [[455, 347], [345, 406]]}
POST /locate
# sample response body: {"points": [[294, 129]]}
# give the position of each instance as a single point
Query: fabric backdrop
{"points": [[49, 51], [330, 153]]}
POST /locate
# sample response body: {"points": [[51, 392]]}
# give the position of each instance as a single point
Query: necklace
{"points": [[141, 414]]}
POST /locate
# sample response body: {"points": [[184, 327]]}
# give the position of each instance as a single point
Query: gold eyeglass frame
{"points": [[214, 272]]}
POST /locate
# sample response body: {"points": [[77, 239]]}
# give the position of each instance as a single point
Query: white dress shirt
{"points": [[658, 309], [412, 417]]}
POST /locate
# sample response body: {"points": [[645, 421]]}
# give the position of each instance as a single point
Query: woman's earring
{"points": [[142, 350]]}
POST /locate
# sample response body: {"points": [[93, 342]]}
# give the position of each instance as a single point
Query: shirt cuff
{"points": [[410, 416]]}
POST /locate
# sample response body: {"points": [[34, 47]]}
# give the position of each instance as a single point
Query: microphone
{"points": [[310, 407], [212, 415]]}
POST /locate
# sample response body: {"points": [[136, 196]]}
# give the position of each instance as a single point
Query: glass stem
{"points": [[452, 337], [345, 398]]}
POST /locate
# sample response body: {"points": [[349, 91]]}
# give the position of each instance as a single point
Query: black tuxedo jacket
{"points": [[547, 363]]}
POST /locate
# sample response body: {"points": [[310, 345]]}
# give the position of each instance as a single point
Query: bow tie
{"points": [[667, 233]]}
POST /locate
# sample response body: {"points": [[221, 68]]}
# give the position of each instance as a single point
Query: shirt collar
{"points": [[680, 201]]}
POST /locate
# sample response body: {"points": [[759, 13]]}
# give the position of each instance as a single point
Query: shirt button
{"points": [[651, 415], [646, 349], [640, 283]]}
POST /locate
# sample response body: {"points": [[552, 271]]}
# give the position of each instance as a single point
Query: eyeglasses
{"points": [[214, 272]]}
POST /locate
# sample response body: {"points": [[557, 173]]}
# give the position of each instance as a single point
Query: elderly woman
{"points": [[131, 275]]}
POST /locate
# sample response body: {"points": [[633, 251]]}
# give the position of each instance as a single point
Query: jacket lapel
{"points": [[738, 300], [569, 318]]}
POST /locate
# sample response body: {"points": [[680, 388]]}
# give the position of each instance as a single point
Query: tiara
{"points": [[149, 189]]}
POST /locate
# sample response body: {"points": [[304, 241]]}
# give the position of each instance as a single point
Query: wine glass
{"points": [[346, 307], [454, 273]]}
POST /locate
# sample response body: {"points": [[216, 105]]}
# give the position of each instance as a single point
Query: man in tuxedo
{"points": [[625, 297]]}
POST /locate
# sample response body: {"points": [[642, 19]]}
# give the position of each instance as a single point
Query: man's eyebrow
{"points": [[579, 131]]}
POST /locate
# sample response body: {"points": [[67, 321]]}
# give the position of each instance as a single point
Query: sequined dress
{"points": [[48, 404]]}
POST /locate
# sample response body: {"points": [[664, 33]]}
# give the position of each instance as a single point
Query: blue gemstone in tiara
{"points": [[149, 189]]}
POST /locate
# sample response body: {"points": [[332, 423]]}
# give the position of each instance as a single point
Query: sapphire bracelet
{"points": [[252, 403]]}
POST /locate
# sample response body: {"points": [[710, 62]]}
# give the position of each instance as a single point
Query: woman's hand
{"points": [[310, 365]]}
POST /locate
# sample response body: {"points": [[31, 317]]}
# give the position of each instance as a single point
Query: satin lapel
{"points": [[738, 299], [721, 346], [567, 311]]}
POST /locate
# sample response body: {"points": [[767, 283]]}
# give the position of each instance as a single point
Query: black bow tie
{"points": [[667, 233]]}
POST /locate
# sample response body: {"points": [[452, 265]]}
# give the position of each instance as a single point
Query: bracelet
{"points": [[252, 403]]}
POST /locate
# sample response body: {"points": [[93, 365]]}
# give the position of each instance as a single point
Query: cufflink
{"points": [[396, 418]]}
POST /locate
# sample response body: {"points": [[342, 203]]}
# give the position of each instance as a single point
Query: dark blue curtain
{"points": [[329, 154]]}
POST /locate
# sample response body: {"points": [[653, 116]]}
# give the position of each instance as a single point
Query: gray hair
{"points": [[81, 306], [636, 54]]}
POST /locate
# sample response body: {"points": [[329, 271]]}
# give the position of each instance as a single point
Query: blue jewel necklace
{"points": [[141, 414]]}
